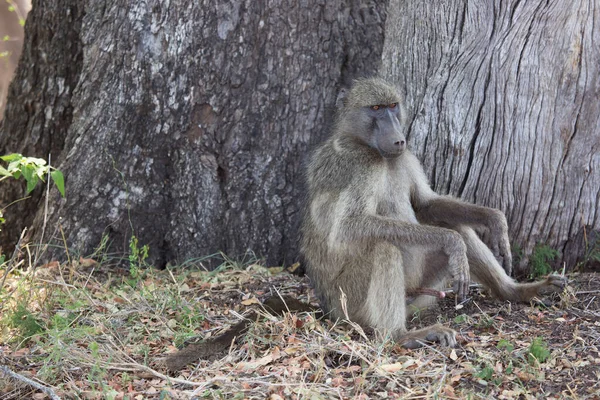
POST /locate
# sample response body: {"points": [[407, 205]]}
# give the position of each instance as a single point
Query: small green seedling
{"points": [[538, 351], [32, 170]]}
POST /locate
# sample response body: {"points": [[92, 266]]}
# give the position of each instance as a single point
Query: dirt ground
{"points": [[118, 333]]}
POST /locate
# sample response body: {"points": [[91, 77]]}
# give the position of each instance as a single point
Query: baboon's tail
{"points": [[192, 352]]}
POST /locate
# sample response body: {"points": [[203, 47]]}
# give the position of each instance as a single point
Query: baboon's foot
{"points": [[442, 335], [432, 334], [524, 292], [553, 284]]}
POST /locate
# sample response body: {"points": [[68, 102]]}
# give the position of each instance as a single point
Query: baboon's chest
{"points": [[392, 196]]}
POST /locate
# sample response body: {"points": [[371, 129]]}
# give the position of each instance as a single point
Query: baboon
{"points": [[374, 230]]}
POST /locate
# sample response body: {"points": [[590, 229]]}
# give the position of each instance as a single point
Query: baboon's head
{"points": [[372, 111]]}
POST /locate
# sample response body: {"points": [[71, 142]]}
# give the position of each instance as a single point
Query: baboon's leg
{"points": [[385, 302], [350, 287], [486, 270], [424, 271], [434, 333]]}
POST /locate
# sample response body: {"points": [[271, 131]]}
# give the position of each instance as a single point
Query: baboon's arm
{"points": [[363, 227], [431, 208], [452, 212]]}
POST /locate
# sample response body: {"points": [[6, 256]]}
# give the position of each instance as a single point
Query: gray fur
{"points": [[374, 229]]}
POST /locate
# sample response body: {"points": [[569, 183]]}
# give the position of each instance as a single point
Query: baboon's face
{"points": [[387, 135], [373, 112]]}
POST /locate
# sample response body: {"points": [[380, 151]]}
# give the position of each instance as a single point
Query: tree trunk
{"points": [[39, 109], [505, 96], [185, 124], [11, 42], [182, 123]]}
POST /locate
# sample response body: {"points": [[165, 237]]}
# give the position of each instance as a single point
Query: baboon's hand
{"points": [[461, 287], [498, 241], [458, 264], [461, 278]]}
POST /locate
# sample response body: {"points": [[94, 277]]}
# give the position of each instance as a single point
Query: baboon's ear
{"points": [[341, 98]]}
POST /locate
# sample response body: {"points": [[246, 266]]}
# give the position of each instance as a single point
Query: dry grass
{"points": [[89, 330]]}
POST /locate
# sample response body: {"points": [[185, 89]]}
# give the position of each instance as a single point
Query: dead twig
{"points": [[29, 382], [133, 367], [588, 292]]}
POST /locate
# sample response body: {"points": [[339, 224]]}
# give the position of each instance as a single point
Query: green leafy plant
{"points": [[506, 345], [509, 368], [97, 373], [540, 260], [32, 170], [591, 252], [189, 319], [538, 351], [486, 373], [485, 322], [25, 322], [137, 260], [462, 319], [506, 355], [12, 7]]}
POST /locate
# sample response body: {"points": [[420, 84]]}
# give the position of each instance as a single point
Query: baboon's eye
{"points": [[375, 108], [393, 105]]}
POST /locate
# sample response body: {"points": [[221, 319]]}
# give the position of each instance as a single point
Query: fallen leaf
{"points": [[87, 262], [184, 288], [250, 301], [525, 376], [453, 355], [449, 391], [292, 339], [397, 366], [20, 353], [51, 264], [337, 381], [293, 267]]}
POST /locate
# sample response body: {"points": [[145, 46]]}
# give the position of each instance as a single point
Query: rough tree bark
{"points": [[506, 105], [183, 123], [11, 42]]}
